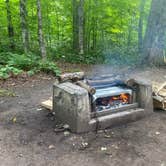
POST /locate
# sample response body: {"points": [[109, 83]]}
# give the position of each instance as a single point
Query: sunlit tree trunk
{"points": [[40, 31], [10, 26], [154, 41], [140, 26], [24, 25]]}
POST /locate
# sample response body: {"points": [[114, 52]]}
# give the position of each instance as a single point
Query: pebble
{"points": [[157, 133], [66, 133], [51, 147], [103, 148]]}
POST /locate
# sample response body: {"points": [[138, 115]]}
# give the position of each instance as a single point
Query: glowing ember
{"points": [[112, 102]]}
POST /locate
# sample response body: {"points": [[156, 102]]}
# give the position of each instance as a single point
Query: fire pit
{"points": [[93, 104]]}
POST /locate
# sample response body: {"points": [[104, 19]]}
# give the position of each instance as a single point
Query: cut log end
{"points": [[71, 77]]}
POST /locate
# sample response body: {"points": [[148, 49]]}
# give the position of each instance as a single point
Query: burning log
{"points": [[71, 77], [90, 89]]}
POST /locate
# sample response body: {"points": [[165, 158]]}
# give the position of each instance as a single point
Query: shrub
{"points": [[7, 71], [14, 64]]}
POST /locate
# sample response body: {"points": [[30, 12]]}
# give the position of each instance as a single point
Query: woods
{"points": [[79, 31]]}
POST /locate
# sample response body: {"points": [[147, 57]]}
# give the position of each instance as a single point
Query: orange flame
{"points": [[124, 98]]}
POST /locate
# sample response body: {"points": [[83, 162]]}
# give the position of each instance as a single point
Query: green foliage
{"points": [[7, 71], [15, 64], [48, 67], [4, 57], [110, 26], [24, 62]]}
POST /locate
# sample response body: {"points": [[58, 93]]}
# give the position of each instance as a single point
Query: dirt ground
{"points": [[27, 136]]}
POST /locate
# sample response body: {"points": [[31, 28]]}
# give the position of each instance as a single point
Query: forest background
{"points": [[34, 34]]}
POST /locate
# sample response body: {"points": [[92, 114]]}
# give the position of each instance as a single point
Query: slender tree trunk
{"points": [[40, 31], [78, 26], [24, 25], [129, 36], [10, 26], [154, 41], [94, 36], [140, 26], [75, 25], [81, 26]]}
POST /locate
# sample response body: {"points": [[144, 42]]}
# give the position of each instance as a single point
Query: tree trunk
{"points": [[24, 25], [154, 41], [10, 26], [40, 31], [81, 26], [94, 35], [78, 26], [75, 25], [140, 26]]}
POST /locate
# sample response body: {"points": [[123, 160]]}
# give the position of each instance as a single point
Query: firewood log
{"points": [[71, 77], [90, 89]]}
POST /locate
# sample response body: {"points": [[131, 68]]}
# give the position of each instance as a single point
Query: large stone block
{"points": [[71, 105]]}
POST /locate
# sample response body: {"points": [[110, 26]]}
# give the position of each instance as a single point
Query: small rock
{"points": [[66, 133], [107, 136], [103, 148], [84, 144], [157, 133], [51, 147], [39, 109], [20, 155], [66, 126]]}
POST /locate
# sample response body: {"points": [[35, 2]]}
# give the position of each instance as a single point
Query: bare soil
{"points": [[27, 136]]}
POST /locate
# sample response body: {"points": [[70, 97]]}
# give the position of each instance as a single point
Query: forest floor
{"points": [[27, 136]]}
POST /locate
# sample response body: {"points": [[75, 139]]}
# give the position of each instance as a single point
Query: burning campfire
{"points": [[112, 102], [89, 104]]}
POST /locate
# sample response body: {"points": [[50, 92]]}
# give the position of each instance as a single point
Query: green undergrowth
{"points": [[12, 65]]}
